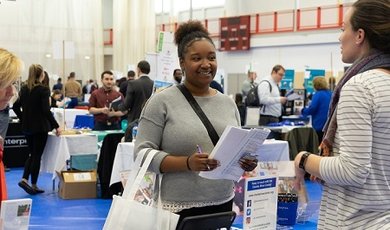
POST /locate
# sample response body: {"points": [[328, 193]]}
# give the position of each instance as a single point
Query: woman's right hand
{"points": [[201, 162], [324, 151]]}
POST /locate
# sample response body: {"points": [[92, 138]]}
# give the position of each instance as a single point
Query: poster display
{"points": [[287, 82], [163, 63], [310, 74]]}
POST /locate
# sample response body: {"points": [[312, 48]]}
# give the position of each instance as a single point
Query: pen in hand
{"points": [[200, 152], [199, 149]]}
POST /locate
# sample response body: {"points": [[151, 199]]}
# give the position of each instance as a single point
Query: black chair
{"points": [[208, 221], [105, 163]]}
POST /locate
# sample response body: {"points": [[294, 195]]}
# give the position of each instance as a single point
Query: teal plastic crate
{"points": [[84, 162]]}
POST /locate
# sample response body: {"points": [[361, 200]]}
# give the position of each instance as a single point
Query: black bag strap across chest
{"points": [[202, 116]]}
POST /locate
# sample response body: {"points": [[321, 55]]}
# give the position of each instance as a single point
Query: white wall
{"points": [[294, 50], [107, 14], [298, 58]]}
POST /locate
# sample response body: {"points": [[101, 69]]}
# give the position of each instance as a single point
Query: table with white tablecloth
{"points": [[123, 160], [67, 115], [272, 150], [59, 149]]}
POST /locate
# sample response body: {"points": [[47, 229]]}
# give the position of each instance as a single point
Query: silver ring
{"points": [[208, 167]]}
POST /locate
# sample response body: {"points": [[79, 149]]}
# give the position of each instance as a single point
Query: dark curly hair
{"points": [[189, 32]]}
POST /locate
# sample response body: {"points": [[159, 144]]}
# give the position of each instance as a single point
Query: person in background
{"points": [[269, 95], [124, 84], [318, 108], [88, 88], [94, 85], [100, 104], [248, 83], [177, 76], [58, 85], [173, 128], [73, 90], [137, 93], [11, 68], [33, 110], [241, 107], [356, 171], [215, 85], [55, 99]]}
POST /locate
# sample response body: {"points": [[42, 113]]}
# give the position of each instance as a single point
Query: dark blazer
{"points": [[36, 116], [137, 93], [123, 87]]}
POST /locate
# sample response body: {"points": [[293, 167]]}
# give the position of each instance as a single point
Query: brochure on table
{"points": [[15, 214]]}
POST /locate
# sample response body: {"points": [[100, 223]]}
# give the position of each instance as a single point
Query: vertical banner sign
{"points": [[287, 82], [235, 33]]}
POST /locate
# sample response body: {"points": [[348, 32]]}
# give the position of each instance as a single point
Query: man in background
{"points": [[215, 85], [248, 83], [123, 85], [138, 92], [101, 104], [177, 76], [58, 85], [269, 95], [72, 90]]}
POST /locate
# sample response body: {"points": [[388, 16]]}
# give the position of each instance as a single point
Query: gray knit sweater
{"points": [[168, 123]]}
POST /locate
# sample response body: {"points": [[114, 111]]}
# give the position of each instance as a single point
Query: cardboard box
{"points": [[77, 184]]}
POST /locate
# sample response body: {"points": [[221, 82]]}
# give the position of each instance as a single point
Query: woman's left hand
{"points": [[248, 163]]}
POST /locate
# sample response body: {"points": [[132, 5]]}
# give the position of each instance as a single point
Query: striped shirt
{"points": [[356, 194]]}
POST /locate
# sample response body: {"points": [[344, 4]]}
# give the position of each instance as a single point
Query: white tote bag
{"points": [[126, 213]]}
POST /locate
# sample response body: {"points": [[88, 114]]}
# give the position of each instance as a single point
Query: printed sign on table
{"points": [[256, 203]]}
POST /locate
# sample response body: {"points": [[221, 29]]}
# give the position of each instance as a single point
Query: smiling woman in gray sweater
{"points": [[169, 124]]}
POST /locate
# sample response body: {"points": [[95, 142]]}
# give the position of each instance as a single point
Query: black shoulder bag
{"points": [[202, 116]]}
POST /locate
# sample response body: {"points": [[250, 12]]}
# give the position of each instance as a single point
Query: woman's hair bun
{"points": [[187, 28]]}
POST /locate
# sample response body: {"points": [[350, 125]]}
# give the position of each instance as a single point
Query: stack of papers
{"points": [[234, 144]]}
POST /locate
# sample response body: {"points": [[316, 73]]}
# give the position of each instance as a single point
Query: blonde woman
{"points": [[10, 70], [318, 108]]}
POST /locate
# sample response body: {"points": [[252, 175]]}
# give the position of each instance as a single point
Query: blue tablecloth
{"points": [[83, 121]]}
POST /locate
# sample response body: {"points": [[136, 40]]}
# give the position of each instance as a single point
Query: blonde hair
{"points": [[320, 83], [10, 68]]}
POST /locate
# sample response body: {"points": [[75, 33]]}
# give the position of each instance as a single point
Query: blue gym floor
{"points": [[51, 212]]}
